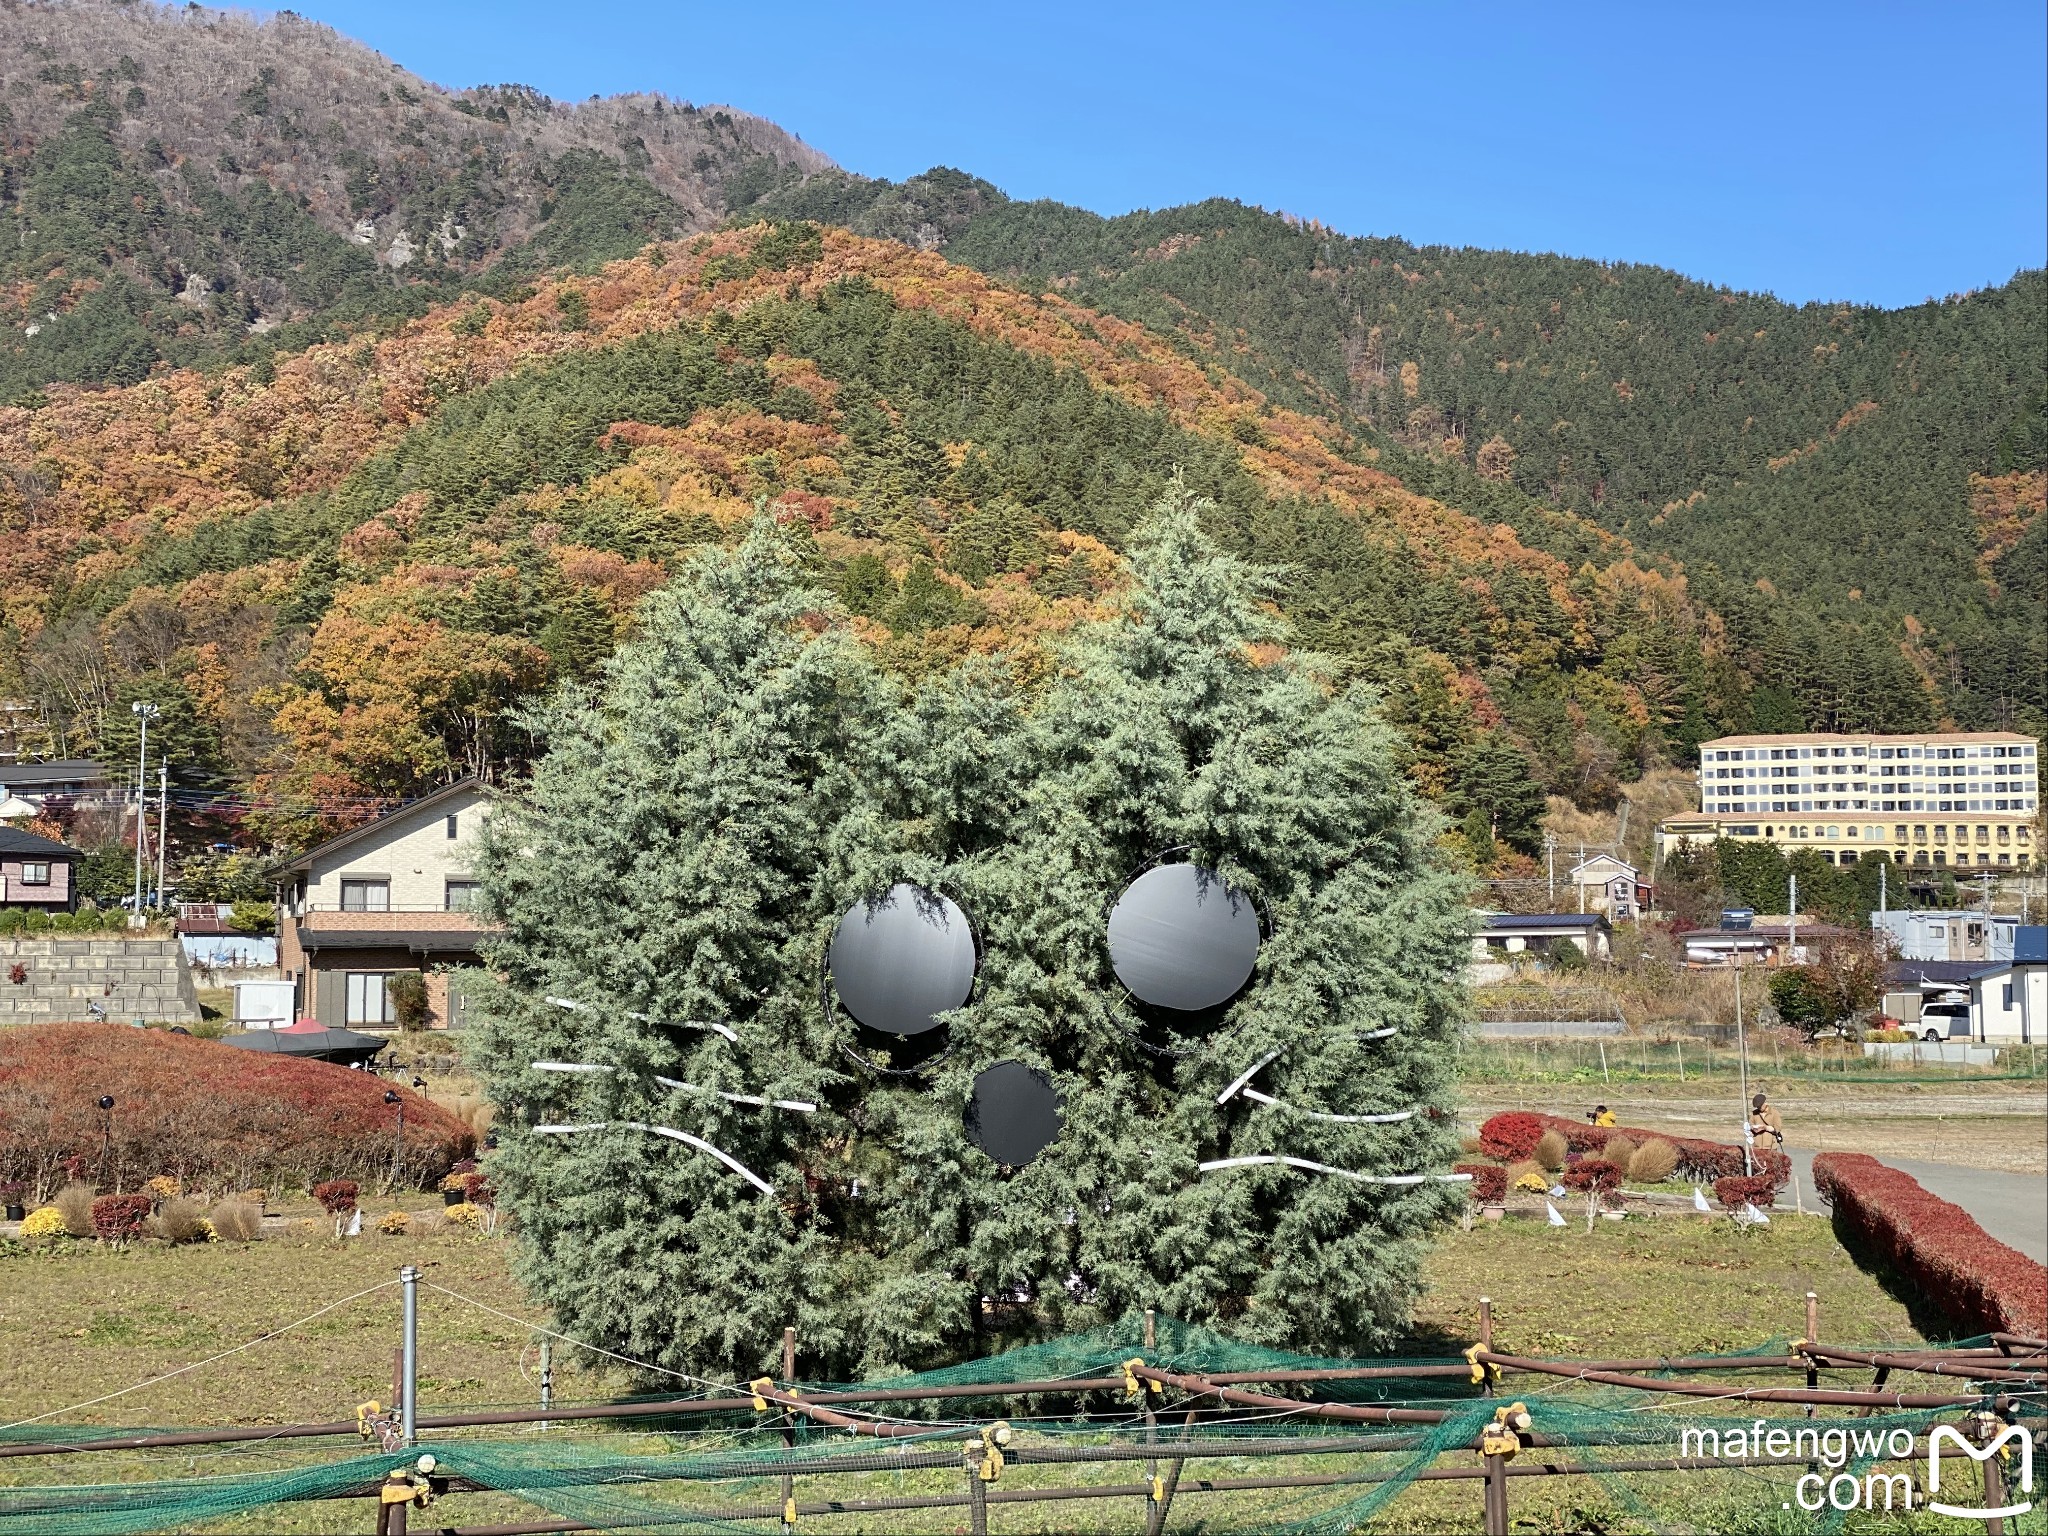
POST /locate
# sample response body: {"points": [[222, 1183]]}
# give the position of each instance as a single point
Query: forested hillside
{"points": [[1856, 490], [344, 572], [328, 427], [183, 185]]}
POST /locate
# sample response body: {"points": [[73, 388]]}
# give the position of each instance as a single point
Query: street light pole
{"points": [[391, 1096], [163, 821]]}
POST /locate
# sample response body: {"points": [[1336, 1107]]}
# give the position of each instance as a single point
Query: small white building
{"points": [[2009, 1000]]}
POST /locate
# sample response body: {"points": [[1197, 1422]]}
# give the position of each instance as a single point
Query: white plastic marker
{"points": [[1342, 1173], [1699, 1202], [1750, 1216], [1555, 1219], [355, 1224], [716, 1028], [801, 1106], [685, 1137]]}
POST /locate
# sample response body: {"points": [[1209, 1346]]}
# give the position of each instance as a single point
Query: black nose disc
{"points": [[1013, 1113]]}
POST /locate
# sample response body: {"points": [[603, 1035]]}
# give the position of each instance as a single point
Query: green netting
{"points": [[681, 1483]]}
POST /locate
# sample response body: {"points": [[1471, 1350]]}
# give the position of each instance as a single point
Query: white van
{"points": [[1945, 1020]]}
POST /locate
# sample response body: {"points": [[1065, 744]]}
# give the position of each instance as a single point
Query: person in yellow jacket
{"points": [[1601, 1115]]}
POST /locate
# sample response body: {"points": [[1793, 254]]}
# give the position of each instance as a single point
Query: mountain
{"points": [[346, 569], [188, 186], [1846, 484], [348, 412]]}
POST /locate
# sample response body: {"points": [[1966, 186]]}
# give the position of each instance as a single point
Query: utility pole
{"points": [[163, 821], [1792, 919], [144, 713], [1550, 858], [1742, 1064], [1883, 868]]}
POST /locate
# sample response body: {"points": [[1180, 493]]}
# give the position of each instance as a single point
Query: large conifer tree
{"points": [[748, 774]]}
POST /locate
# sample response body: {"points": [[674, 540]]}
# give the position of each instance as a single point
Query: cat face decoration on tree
{"points": [[899, 1013]]}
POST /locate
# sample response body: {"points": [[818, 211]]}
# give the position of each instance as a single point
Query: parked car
{"points": [[1945, 1021]]}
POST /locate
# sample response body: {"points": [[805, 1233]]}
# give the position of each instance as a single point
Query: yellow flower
{"points": [[393, 1223], [45, 1221], [161, 1188], [1535, 1183], [464, 1215]]}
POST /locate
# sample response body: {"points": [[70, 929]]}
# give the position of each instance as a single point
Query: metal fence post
{"points": [[409, 1399]]}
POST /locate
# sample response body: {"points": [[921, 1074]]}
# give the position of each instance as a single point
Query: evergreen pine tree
{"points": [[692, 837]]}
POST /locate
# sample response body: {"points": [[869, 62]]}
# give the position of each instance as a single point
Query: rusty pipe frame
{"points": [[1734, 1394], [1932, 1365]]}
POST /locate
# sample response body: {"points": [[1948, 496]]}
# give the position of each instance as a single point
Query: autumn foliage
{"points": [[207, 1114], [1937, 1248], [1515, 1134]]}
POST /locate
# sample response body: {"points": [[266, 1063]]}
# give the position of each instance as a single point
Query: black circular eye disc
{"points": [[1013, 1113], [1179, 938], [898, 960]]}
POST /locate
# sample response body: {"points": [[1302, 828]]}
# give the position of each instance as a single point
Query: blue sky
{"points": [[1872, 152]]}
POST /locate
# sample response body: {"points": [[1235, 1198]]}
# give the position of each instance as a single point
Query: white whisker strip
{"points": [[1342, 1173], [1316, 1114], [685, 1137], [801, 1106], [1249, 1073], [714, 1026]]}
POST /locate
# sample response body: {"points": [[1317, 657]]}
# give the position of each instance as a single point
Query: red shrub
{"points": [[205, 1113], [477, 1191], [1489, 1182], [1511, 1136], [1739, 1189], [116, 1218], [1938, 1248], [1591, 1175], [1703, 1160], [336, 1196]]}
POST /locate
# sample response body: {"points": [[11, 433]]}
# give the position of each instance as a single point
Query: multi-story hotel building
{"points": [[1962, 800]]}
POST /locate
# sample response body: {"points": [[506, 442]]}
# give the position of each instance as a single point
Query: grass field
{"points": [[82, 1322]]}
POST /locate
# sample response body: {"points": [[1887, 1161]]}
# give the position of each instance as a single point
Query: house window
{"points": [[2006, 990], [366, 895], [369, 997], [462, 896], [35, 874], [451, 829]]}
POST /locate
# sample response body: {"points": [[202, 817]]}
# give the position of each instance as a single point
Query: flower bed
{"points": [[202, 1115], [1701, 1160], [1980, 1283]]}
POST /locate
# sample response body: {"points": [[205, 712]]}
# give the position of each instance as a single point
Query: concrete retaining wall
{"points": [[131, 978]]}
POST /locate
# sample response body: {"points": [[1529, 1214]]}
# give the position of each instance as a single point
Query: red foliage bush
{"points": [[116, 1218], [1953, 1263], [1511, 1136], [1697, 1159], [336, 1196], [1740, 1189], [1591, 1175], [207, 1114], [1489, 1182]]}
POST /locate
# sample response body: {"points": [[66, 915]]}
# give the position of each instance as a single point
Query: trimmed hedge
{"points": [[207, 1114], [1704, 1161], [1738, 1190], [1511, 1135], [1489, 1182], [1980, 1284]]}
